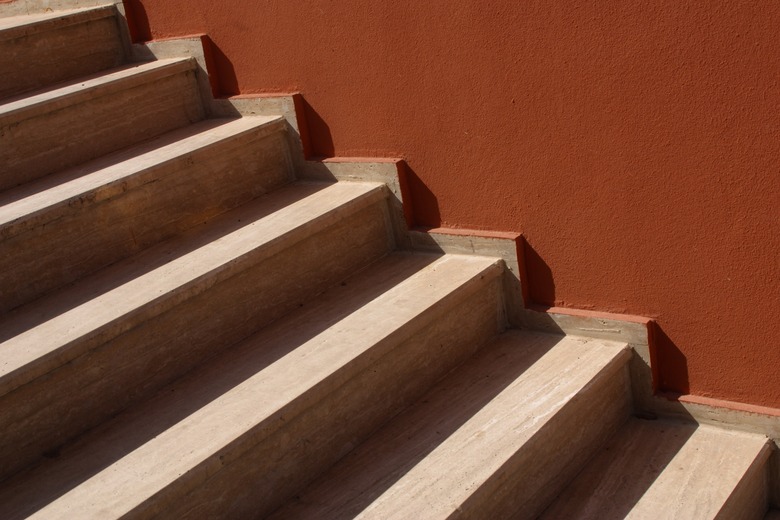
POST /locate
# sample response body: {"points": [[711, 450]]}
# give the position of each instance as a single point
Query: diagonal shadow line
{"points": [[379, 463], [640, 452], [98, 449], [109, 278]]}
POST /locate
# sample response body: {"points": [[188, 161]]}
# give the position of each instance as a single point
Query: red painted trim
{"points": [[184, 37], [721, 403], [361, 160], [263, 95], [591, 314], [505, 235]]}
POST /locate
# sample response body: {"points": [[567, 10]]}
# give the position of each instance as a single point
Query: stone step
{"points": [[238, 435], [75, 357], [10, 8], [61, 227], [41, 49], [49, 130], [670, 470], [494, 439]]}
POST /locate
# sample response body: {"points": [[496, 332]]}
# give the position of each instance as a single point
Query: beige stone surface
{"points": [[53, 129], [55, 230], [663, 469], [504, 246], [88, 41], [49, 7], [345, 169], [339, 353], [75, 358], [489, 441]]}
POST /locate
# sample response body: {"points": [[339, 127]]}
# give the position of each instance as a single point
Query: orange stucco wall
{"points": [[636, 145]]}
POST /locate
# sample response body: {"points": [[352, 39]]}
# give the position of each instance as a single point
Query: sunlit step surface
{"points": [[669, 470], [489, 441]]}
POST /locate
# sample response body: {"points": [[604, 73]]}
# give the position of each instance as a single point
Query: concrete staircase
{"points": [[190, 329]]}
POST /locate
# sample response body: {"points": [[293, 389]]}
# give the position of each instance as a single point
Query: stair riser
{"points": [[50, 141], [537, 473], [28, 63], [750, 498], [23, 7], [259, 472], [116, 373], [162, 202]]}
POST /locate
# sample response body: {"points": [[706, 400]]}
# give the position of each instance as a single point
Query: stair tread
{"points": [[72, 92], [683, 470], [208, 418], [23, 25], [428, 460], [43, 334], [48, 198]]}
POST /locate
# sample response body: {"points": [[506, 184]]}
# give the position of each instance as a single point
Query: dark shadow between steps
{"points": [[111, 277], [640, 450], [444, 409], [97, 449]]}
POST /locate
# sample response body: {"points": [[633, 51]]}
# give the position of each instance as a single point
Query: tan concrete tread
{"points": [[210, 418], [662, 469], [428, 461], [12, 27], [49, 332], [73, 92], [9, 8], [49, 198]]}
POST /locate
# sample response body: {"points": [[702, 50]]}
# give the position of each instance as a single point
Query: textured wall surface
{"points": [[636, 145]]}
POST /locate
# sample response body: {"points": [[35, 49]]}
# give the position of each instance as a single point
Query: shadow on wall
{"points": [[137, 21], [424, 206], [222, 74], [539, 277], [671, 370], [421, 207], [669, 364], [320, 140]]}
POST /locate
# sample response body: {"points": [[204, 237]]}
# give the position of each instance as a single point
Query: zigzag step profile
{"points": [[74, 358], [59, 228], [49, 130], [239, 434], [183, 335], [88, 41], [493, 440]]}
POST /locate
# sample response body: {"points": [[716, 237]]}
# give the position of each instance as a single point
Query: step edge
{"points": [[247, 438], [616, 362], [611, 367], [59, 19], [51, 359], [109, 83], [757, 469], [101, 190]]}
